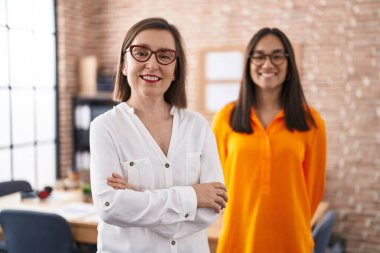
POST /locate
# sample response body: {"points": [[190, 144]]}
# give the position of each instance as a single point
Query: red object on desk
{"points": [[43, 194]]}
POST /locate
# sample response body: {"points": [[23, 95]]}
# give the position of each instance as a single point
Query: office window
{"points": [[28, 91], [220, 71]]}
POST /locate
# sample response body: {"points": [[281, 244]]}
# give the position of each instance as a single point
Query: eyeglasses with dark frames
{"points": [[277, 58], [143, 54]]}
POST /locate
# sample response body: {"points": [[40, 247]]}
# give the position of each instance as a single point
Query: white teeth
{"points": [[150, 78], [268, 74]]}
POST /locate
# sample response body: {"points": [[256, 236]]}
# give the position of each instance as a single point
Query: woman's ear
{"points": [[124, 69]]}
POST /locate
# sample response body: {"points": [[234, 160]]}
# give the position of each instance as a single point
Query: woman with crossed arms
{"points": [[156, 178]]}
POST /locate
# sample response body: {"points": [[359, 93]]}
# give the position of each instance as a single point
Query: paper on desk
{"points": [[58, 196], [91, 218], [76, 211]]}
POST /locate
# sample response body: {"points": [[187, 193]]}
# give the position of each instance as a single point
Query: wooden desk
{"points": [[214, 230], [83, 220], [81, 216]]}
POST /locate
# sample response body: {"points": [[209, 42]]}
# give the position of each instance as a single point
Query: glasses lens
{"points": [[140, 53], [165, 56], [258, 59], [278, 58]]}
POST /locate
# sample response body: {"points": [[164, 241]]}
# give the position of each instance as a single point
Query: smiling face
{"points": [[150, 78], [269, 76]]}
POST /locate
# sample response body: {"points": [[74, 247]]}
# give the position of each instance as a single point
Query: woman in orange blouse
{"points": [[272, 146]]}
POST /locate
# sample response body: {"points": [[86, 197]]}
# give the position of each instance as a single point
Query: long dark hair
{"points": [[176, 94], [292, 99]]}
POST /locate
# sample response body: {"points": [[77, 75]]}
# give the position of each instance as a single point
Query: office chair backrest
{"points": [[10, 187], [36, 232], [322, 232]]}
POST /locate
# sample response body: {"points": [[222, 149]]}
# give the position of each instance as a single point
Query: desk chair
{"points": [[322, 232], [10, 187], [36, 232], [3, 249]]}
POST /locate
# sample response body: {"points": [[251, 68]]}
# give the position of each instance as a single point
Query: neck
{"points": [[150, 106], [268, 99]]}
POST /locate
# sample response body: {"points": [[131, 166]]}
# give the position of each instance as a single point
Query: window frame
{"points": [[37, 90]]}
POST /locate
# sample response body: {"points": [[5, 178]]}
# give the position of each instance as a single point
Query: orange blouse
{"points": [[275, 180]]}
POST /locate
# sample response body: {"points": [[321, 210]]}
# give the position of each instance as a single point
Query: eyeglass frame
{"points": [[270, 57], [130, 48]]}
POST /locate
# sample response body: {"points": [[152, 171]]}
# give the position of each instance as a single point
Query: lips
{"points": [[150, 78], [268, 75]]}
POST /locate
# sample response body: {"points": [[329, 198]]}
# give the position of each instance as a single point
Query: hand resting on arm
{"points": [[209, 195]]}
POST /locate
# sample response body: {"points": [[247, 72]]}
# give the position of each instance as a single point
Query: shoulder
{"points": [[192, 117], [319, 122], [316, 116], [224, 114], [108, 119]]}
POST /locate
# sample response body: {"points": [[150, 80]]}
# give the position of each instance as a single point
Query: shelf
{"points": [[85, 109], [100, 96]]}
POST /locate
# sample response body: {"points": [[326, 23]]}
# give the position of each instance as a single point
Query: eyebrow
{"points": [[147, 46], [274, 51]]}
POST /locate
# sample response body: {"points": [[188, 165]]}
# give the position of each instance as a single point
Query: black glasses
{"points": [[143, 54], [276, 58]]}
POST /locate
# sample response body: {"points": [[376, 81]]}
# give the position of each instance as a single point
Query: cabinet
{"points": [[85, 109]]}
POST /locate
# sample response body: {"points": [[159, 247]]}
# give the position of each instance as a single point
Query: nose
{"points": [[152, 63], [268, 62]]}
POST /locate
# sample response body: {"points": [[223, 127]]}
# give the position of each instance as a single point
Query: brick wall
{"points": [[75, 36], [340, 66]]}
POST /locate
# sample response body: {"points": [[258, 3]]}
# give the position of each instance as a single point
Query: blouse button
{"points": [[173, 243], [131, 163], [186, 215], [167, 165], [107, 203]]}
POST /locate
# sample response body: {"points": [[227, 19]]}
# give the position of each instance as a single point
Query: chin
{"points": [[153, 93], [268, 86]]}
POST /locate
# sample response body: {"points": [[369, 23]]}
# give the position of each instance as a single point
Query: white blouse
{"points": [[162, 216]]}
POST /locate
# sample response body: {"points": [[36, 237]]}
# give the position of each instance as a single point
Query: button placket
{"points": [[266, 164], [173, 246], [167, 167]]}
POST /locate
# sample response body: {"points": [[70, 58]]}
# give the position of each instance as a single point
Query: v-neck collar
{"points": [[173, 138], [257, 121]]}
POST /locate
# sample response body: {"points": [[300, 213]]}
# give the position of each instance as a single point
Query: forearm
{"points": [[128, 208], [204, 218]]}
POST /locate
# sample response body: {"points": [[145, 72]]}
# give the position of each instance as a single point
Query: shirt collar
{"points": [[131, 110], [173, 110], [254, 117], [128, 108]]}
